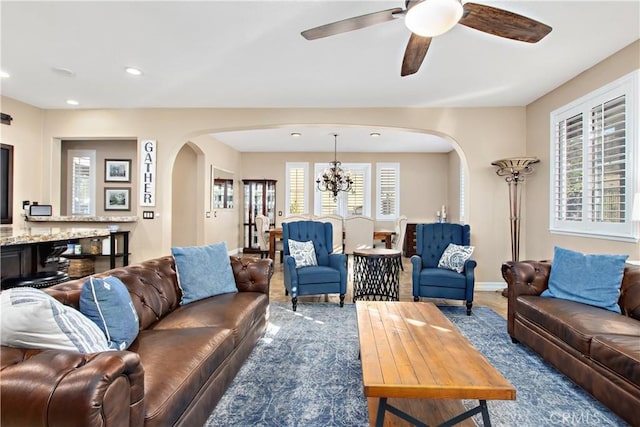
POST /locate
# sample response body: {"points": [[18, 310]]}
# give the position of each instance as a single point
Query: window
{"points": [[388, 191], [297, 193], [82, 172], [354, 202], [594, 143]]}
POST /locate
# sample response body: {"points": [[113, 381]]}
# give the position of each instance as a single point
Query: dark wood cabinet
{"points": [[409, 245], [259, 199]]}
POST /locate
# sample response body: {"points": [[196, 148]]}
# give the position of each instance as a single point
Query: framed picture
{"points": [[117, 170], [117, 199]]}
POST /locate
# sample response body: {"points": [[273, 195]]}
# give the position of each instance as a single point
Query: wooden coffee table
{"points": [[411, 350]]}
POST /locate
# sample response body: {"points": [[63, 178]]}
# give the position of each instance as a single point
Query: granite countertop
{"points": [[27, 235], [82, 218]]}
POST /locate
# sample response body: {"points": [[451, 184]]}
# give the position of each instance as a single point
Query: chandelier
{"points": [[334, 179]]}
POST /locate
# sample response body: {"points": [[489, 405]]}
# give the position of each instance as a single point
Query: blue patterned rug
{"points": [[305, 372]]}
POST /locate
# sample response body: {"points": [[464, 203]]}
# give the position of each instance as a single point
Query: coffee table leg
{"points": [[485, 413], [481, 408], [382, 407]]}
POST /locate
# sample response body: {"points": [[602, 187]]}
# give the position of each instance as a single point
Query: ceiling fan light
{"points": [[431, 18]]}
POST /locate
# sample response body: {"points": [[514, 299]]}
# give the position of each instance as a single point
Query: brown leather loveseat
{"points": [[174, 373], [596, 348]]}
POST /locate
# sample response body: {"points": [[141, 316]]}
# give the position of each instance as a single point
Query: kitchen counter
{"points": [[29, 235], [82, 218]]}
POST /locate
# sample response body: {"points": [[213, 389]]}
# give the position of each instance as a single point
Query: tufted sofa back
{"points": [[630, 292], [532, 278], [320, 233], [153, 286], [433, 239]]}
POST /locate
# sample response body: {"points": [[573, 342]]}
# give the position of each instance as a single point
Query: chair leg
{"points": [[341, 300], [469, 304], [416, 299], [294, 302]]}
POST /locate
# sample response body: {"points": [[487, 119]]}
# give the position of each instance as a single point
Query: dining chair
{"points": [[397, 241], [358, 233], [262, 231], [338, 231]]}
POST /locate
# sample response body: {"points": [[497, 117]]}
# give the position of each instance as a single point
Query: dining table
{"points": [[276, 233]]}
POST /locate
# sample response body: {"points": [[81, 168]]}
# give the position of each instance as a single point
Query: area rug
{"points": [[305, 371]]}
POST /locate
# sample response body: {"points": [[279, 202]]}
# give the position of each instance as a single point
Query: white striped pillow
{"points": [[32, 318]]}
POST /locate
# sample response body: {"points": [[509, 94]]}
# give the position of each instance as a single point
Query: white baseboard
{"points": [[489, 286]]}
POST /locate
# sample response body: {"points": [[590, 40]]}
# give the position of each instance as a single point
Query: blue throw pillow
{"points": [[203, 271], [589, 279], [108, 304]]}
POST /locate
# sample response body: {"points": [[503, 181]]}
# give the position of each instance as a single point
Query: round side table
{"points": [[376, 274]]}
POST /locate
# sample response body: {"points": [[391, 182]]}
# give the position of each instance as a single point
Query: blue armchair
{"points": [[328, 277], [433, 282]]}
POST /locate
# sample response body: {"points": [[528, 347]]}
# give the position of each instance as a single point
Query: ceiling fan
{"points": [[430, 18]]}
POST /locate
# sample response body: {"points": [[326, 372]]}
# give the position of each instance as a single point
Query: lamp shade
{"points": [[433, 17], [635, 213]]}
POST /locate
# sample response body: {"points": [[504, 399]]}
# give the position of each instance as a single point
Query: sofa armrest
{"points": [[524, 278], [252, 274], [55, 387]]}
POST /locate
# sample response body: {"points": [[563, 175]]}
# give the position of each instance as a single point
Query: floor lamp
{"points": [[514, 170]]}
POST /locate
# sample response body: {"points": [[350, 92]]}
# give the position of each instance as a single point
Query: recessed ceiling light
{"points": [[72, 102], [4, 74], [133, 71], [296, 134], [374, 134]]}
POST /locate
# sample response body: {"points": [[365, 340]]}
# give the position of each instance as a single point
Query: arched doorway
{"points": [[185, 206]]}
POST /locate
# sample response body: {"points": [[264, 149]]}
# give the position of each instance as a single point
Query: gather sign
{"points": [[148, 173]]}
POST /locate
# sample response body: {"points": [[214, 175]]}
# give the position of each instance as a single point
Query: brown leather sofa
{"points": [[596, 348], [174, 373]]}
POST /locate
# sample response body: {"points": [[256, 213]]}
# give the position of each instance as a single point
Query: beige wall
{"points": [[480, 134], [184, 209], [419, 197], [453, 198], [539, 241], [25, 134]]}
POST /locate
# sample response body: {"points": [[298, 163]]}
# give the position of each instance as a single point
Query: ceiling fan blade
{"points": [[351, 24], [503, 23], [414, 54]]}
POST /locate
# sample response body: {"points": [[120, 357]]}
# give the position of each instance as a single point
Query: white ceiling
{"points": [[237, 54]]}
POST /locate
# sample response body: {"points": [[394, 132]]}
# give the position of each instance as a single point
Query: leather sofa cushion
{"points": [[238, 312], [178, 362], [620, 353], [573, 322]]}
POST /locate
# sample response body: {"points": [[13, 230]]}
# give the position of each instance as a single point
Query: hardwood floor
{"points": [[432, 412]]}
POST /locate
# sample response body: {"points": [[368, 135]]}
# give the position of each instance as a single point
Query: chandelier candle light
{"points": [[334, 179]]}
